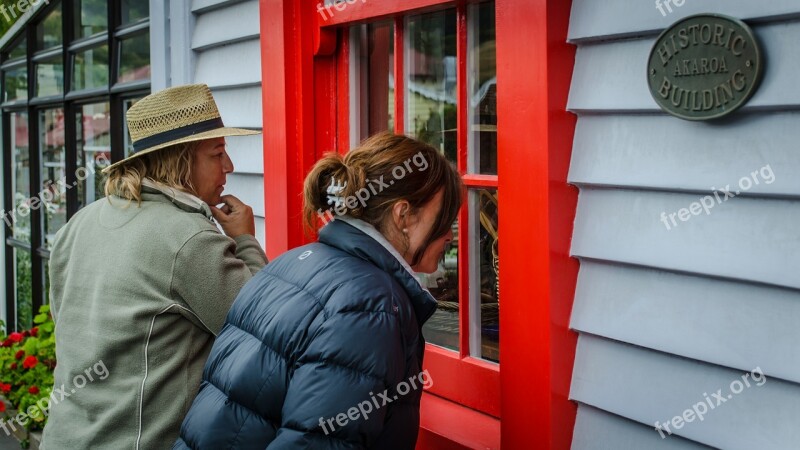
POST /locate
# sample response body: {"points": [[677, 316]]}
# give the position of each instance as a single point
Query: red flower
{"points": [[15, 337], [30, 362], [2, 406], [34, 331], [13, 366], [20, 354], [26, 333], [33, 390], [6, 388], [6, 343]]}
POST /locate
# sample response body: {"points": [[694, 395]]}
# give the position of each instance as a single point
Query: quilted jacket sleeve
{"points": [[337, 394]]}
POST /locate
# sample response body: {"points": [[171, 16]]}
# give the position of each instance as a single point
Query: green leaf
{"points": [[40, 318], [44, 309], [48, 327]]}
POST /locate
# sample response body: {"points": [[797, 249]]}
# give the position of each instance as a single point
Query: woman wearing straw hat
{"points": [[142, 281]]}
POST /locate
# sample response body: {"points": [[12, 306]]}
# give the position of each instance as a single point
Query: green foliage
{"points": [[27, 360]]}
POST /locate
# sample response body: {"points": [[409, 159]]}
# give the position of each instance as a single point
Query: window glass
{"points": [[20, 178], [20, 50], [482, 82], [134, 61], [126, 104], [50, 77], [442, 328], [134, 10], [90, 69], [53, 172], [16, 84], [48, 32], [431, 80], [23, 276], [94, 151], [91, 17], [485, 309], [375, 89], [430, 63]]}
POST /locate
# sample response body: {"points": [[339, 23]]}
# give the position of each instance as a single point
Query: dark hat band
{"points": [[178, 133]]}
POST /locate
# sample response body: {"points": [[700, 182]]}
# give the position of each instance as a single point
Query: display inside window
{"points": [[90, 69], [482, 80], [20, 178], [16, 84], [93, 126], [48, 32], [50, 77], [430, 63], [134, 10], [485, 258], [91, 17], [53, 173], [442, 328], [374, 96], [134, 63]]}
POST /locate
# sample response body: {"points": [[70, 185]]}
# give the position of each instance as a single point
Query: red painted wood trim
{"points": [[343, 92], [399, 78], [287, 58], [374, 10], [535, 134], [446, 425], [475, 180], [469, 381]]}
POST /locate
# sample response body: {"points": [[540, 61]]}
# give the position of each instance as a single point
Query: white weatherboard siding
{"points": [[666, 315], [217, 43]]}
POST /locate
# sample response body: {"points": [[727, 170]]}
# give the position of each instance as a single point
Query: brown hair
{"points": [[171, 166], [383, 170]]}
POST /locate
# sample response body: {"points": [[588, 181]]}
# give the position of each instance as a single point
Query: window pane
{"points": [[482, 82], [134, 10], [48, 32], [23, 275], [46, 272], [50, 77], [20, 50], [91, 17], [90, 69], [53, 186], [16, 84], [135, 59], [20, 177], [375, 79], [431, 80], [485, 310], [126, 104], [94, 151], [442, 328]]}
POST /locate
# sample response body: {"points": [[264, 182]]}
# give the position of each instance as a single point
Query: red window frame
{"points": [[466, 380], [304, 79]]}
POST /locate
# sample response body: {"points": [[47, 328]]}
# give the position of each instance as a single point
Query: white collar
{"points": [[179, 196]]}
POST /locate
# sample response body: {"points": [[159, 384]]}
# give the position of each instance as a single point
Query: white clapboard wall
{"points": [[217, 43], [666, 316]]}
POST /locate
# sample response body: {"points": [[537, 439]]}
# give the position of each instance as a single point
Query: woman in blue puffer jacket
{"points": [[323, 348]]}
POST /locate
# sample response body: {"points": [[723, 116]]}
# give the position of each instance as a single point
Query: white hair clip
{"points": [[334, 190]]}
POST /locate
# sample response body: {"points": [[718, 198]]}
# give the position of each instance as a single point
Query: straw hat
{"points": [[174, 116]]}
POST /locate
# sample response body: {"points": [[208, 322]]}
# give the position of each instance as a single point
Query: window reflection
{"points": [[94, 151], [431, 80], [53, 173]]}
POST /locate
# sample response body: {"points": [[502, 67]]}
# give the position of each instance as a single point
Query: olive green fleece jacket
{"points": [[143, 290]]}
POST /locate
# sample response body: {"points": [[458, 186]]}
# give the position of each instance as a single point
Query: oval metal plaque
{"points": [[704, 67]]}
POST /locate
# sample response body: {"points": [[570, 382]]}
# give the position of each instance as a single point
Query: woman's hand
{"points": [[235, 217]]}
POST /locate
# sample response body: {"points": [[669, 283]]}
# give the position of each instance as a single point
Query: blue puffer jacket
{"points": [[317, 352]]}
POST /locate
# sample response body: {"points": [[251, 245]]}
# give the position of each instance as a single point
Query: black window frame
{"points": [[71, 101]]}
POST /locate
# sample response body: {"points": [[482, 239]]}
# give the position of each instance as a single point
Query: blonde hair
{"points": [[171, 166]]}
